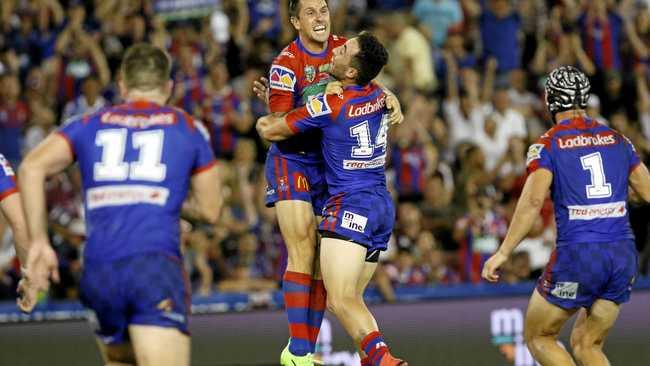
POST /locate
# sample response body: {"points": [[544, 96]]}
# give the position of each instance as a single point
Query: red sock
{"points": [[317, 303], [375, 347], [296, 287]]}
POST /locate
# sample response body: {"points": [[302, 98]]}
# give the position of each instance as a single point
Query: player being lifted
{"points": [[295, 170], [358, 216], [587, 166], [137, 161]]}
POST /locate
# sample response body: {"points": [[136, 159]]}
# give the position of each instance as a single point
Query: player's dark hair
{"points": [[145, 67], [294, 7], [372, 57]]}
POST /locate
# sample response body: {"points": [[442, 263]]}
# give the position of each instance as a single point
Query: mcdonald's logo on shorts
{"points": [[300, 182]]}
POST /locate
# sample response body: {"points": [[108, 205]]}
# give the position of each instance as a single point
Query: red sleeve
{"points": [[283, 78]]}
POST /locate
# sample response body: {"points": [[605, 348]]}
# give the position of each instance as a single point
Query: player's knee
{"points": [[584, 344], [338, 302]]}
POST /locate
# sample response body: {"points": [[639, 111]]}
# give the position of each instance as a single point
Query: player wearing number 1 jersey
{"points": [[587, 167], [137, 162], [359, 214]]}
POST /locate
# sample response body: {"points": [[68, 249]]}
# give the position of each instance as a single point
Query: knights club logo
{"points": [[310, 73]]}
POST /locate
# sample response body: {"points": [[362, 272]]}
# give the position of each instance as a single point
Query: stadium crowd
{"points": [[469, 75]]}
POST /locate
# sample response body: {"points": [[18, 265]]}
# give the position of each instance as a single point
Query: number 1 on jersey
{"points": [[599, 187]]}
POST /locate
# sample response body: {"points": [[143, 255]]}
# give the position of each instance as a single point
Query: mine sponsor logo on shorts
{"points": [[364, 164], [354, 222], [565, 290], [598, 211], [119, 195]]}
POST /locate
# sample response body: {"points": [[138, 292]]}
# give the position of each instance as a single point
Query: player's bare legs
{"points": [[298, 227], [158, 346], [367, 274], [590, 330], [543, 324], [116, 354], [342, 264], [345, 272]]}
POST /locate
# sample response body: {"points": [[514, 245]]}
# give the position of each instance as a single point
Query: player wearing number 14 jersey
{"points": [[359, 214], [588, 168], [137, 162]]}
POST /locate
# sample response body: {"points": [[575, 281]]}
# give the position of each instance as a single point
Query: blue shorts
{"points": [[579, 274], [291, 179], [364, 217], [145, 289]]}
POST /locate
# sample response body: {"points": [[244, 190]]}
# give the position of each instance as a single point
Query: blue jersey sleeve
{"points": [[204, 158], [633, 156], [539, 156], [315, 114], [72, 132], [7, 179]]}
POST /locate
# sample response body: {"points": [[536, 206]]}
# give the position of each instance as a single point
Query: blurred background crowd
{"points": [[469, 75]]}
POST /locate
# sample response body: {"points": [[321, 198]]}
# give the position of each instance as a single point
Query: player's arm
{"points": [[50, 157], [273, 127], [206, 198], [530, 203], [316, 114], [392, 103], [12, 210], [640, 181]]}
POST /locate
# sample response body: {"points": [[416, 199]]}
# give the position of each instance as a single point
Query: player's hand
{"points": [[27, 295], [42, 264], [334, 87], [395, 116], [261, 89], [492, 265]]}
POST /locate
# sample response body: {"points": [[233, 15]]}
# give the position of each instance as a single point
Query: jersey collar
{"points": [[305, 50]]}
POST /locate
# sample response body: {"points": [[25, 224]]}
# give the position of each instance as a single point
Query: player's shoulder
{"points": [[193, 124], [288, 56], [324, 105], [337, 41], [85, 119]]}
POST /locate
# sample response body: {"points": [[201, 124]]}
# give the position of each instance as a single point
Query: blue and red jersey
{"points": [[410, 166], [136, 161], [219, 107], [354, 131], [296, 75], [601, 39], [7, 179], [591, 164]]}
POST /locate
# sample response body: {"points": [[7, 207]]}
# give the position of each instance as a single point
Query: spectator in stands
{"points": [[435, 17], [479, 233], [223, 111], [14, 115], [411, 64], [500, 25], [401, 271], [88, 102]]}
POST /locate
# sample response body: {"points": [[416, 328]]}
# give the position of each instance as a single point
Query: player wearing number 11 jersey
{"points": [[588, 168], [137, 162]]}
